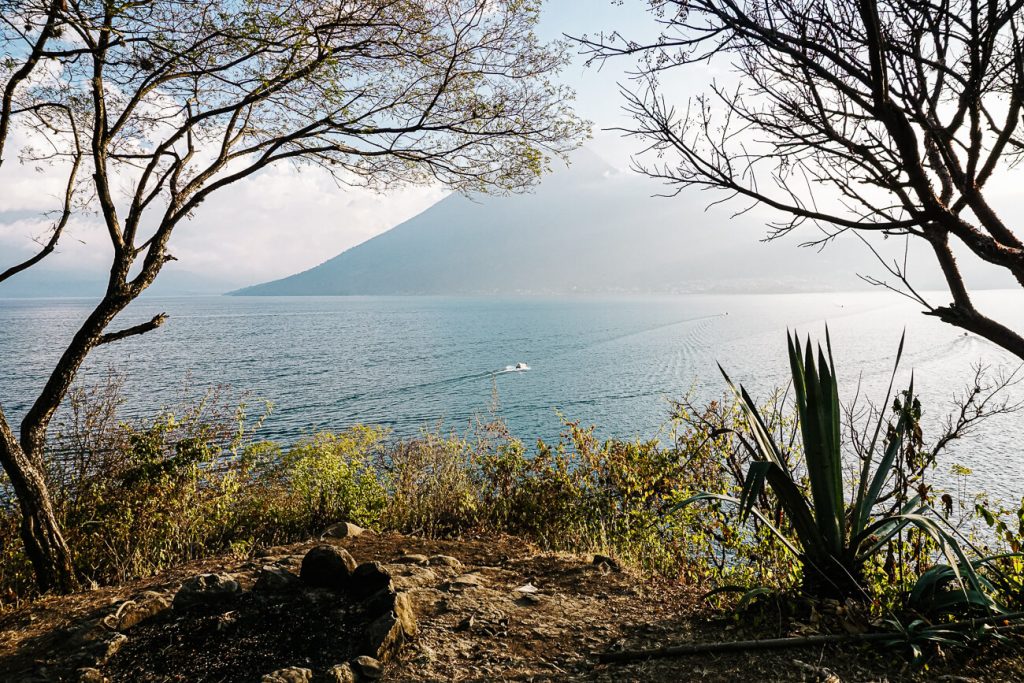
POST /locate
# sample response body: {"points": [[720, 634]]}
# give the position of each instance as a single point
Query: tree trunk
{"points": [[40, 531]]}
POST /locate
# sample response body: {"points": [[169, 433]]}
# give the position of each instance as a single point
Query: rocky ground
{"points": [[358, 606]]}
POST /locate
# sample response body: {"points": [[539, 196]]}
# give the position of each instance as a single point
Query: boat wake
{"points": [[518, 367]]}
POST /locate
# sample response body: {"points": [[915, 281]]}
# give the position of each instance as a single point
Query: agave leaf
{"points": [[958, 562], [758, 429], [753, 594], [886, 464], [860, 515], [753, 486], [757, 513], [728, 588], [823, 469], [884, 529]]}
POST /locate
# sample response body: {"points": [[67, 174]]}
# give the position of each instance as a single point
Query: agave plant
{"points": [[832, 538]]}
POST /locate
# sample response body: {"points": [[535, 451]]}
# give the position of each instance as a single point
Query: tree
{"points": [[149, 107], [887, 117]]}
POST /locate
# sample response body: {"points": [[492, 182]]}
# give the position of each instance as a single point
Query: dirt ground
{"points": [[509, 613]]}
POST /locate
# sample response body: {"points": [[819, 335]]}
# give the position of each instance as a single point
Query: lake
{"points": [[415, 362]]}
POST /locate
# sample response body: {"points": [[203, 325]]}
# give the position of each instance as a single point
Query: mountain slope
{"points": [[585, 229]]}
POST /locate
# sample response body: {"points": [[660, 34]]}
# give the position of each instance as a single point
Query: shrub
{"points": [[836, 541]]}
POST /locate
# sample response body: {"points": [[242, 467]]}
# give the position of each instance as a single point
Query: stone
{"points": [[369, 579], [291, 674], [528, 588], [381, 602], [445, 561], [605, 560], [108, 647], [406, 614], [344, 530], [273, 579], [410, 576], [340, 673], [327, 566], [421, 560], [90, 675], [466, 581], [386, 635], [367, 667], [207, 590], [136, 612]]}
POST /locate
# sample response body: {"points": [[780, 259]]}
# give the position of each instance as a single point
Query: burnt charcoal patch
{"points": [[256, 635]]}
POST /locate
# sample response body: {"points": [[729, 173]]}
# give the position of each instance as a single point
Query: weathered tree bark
{"points": [[40, 530], [23, 459]]}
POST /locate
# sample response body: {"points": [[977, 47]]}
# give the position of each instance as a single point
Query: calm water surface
{"points": [[410, 363]]}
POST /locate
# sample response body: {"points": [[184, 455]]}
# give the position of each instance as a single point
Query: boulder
{"points": [[607, 561], [327, 566], [386, 635], [367, 667], [466, 581], [369, 579], [291, 674], [207, 590], [381, 602], [138, 611], [344, 530], [445, 561], [421, 560], [273, 579], [107, 647]]}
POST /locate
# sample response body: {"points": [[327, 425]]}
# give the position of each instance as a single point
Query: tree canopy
{"points": [[887, 117], [145, 108]]}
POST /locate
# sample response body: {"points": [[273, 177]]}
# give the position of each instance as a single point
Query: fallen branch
{"points": [[737, 646], [156, 322], [780, 643]]}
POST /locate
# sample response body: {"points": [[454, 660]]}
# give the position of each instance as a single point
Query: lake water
{"points": [[410, 363]]}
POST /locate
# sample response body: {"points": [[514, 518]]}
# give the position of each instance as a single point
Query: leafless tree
{"points": [[149, 107], [887, 117]]}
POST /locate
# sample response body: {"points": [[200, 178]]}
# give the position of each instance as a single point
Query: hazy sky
{"points": [[284, 221]]}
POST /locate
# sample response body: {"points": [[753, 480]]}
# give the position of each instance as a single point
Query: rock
{"points": [[381, 602], [340, 673], [131, 614], [207, 590], [406, 614], [327, 566], [407, 577], [292, 674], [529, 599], [445, 561], [91, 675], [466, 581], [421, 560], [275, 580], [388, 633], [95, 644], [344, 530], [528, 588], [466, 624], [604, 559], [369, 579], [108, 647], [367, 667]]}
